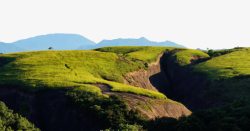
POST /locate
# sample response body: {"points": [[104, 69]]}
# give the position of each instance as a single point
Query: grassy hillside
{"points": [[234, 64], [221, 78], [71, 80], [216, 88], [214, 82], [186, 56], [145, 54], [77, 68]]}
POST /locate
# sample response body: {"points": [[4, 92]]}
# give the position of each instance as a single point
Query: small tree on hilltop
{"points": [[50, 48]]}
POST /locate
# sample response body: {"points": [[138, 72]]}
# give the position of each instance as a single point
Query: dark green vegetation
{"points": [[234, 117], [107, 111], [11, 121], [213, 84]]}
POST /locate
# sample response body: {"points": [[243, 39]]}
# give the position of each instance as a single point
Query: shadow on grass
{"points": [[6, 60]]}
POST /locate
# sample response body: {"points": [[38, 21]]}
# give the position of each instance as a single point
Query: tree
{"points": [[50, 48]]}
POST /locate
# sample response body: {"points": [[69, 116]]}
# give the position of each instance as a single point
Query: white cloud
{"points": [[194, 23]]}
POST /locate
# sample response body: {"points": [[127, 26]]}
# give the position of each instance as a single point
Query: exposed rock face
{"points": [[149, 108], [153, 108], [152, 78], [186, 86]]}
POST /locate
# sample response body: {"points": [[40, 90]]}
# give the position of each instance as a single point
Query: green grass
{"points": [[89, 89], [146, 53], [184, 57], [227, 66], [54, 69], [131, 89]]}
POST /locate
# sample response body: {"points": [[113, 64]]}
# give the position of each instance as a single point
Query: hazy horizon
{"points": [[194, 23]]}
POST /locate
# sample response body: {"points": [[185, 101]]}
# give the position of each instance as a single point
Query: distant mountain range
{"points": [[6, 48], [73, 42]]}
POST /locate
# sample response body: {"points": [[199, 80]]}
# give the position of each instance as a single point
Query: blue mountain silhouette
{"points": [[136, 42], [74, 42], [57, 41], [8, 48]]}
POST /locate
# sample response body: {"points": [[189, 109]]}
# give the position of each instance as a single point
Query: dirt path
{"points": [[104, 88]]}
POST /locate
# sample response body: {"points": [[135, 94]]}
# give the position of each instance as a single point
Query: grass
{"points": [[54, 69], [184, 57], [230, 65], [146, 53], [223, 78], [89, 89], [139, 91]]}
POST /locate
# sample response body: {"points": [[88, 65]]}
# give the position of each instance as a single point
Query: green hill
{"points": [[93, 81], [215, 88], [71, 90], [53, 69], [230, 65]]}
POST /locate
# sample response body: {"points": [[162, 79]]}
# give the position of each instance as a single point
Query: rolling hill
{"points": [[92, 77], [129, 88]]}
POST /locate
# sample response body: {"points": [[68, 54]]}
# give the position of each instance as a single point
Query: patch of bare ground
{"points": [[149, 108], [151, 79]]}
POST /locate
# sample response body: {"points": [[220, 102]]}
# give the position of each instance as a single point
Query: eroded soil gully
{"points": [[153, 78]]}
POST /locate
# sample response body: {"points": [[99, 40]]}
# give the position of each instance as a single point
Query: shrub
{"points": [[13, 121], [109, 112]]}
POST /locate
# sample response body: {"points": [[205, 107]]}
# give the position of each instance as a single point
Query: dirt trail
{"points": [[104, 88]]}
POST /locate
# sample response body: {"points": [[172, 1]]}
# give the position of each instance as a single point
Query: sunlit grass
{"points": [[57, 69], [184, 57], [227, 66], [146, 53]]}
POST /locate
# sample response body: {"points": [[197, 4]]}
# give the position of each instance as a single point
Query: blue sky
{"points": [[193, 23]]}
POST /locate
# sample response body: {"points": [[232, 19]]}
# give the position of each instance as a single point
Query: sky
{"points": [[193, 23]]}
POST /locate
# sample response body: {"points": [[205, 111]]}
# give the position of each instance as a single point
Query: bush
{"points": [[109, 112], [12, 121]]}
